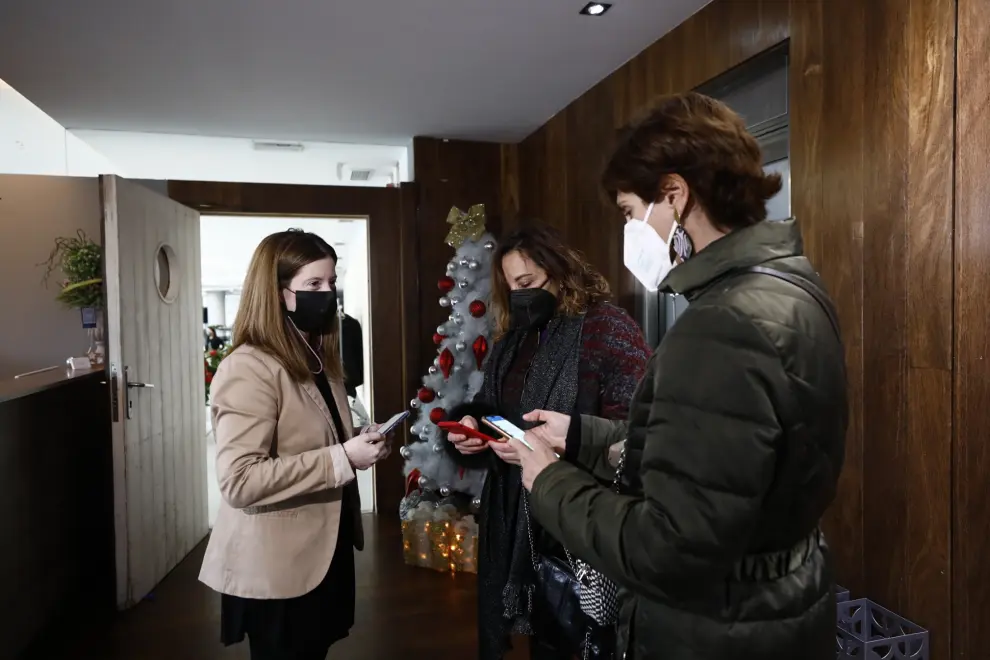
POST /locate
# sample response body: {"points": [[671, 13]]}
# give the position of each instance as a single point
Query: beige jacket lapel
{"points": [[343, 407]]}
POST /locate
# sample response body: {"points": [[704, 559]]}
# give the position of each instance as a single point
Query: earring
{"points": [[681, 247]]}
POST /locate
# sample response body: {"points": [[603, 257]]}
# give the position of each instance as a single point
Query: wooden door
{"points": [[155, 368]]}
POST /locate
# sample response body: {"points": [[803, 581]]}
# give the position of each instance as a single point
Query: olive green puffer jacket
{"points": [[735, 442]]}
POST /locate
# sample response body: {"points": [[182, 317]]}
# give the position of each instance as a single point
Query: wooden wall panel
{"points": [[971, 441], [871, 87], [451, 173], [836, 163]]}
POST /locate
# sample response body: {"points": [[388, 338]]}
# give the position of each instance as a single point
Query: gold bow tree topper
{"points": [[465, 226]]}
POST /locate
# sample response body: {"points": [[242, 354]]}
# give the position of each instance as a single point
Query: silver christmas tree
{"points": [[463, 343]]}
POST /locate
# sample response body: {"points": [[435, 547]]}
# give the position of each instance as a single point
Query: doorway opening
{"points": [[228, 241]]}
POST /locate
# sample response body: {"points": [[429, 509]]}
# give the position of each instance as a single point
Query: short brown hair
{"points": [[261, 320], [579, 285], [704, 142]]}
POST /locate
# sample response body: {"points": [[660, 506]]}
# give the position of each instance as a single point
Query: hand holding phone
{"points": [[465, 436], [467, 431], [506, 429]]}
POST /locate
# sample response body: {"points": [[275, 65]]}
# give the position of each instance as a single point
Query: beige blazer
{"points": [[282, 471]]}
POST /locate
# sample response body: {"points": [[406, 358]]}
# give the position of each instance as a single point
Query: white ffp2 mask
{"points": [[644, 253]]}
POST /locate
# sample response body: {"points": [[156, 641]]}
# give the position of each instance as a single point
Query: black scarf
{"points": [[551, 384]]}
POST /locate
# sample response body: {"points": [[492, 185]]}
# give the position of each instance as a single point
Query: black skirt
{"points": [[312, 621]]}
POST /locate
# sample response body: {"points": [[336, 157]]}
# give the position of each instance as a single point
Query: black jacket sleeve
{"points": [[711, 434]]}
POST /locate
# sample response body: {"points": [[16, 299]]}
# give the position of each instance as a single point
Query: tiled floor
{"points": [[402, 612]]}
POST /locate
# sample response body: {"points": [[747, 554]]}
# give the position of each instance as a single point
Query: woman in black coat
{"points": [[735, 435], [559, 346]]}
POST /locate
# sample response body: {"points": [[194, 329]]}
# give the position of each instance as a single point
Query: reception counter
{"points": [[56, 507]]}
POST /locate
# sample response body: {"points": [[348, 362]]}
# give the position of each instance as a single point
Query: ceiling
{"points": [[379, 71]]}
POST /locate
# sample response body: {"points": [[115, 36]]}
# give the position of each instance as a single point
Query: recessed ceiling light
{"points": [[596, 8]]}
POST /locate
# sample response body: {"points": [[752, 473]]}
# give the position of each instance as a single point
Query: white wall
{"points": [[37, 331], [31, 142], [200, 158]]}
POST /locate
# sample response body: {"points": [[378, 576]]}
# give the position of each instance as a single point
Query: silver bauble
{"points": [[457, 318], [460, 346], [439, 395], [415, 403], [476, 505], [424, 434], [405, 452], [444, 491], [425, 483], [455, 298], [489, 245], [438, 448], [463, 263], [432, 370], [451, 265], [444, 301], [414, 430], [442, 330], [463, 283], [473, 264], [436, 362]]}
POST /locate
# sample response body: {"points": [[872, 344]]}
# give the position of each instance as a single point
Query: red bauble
{"points": [[412, 481], [477, 309], [480, 348], [446, 284], [437, 338], [426, 395], [446, 362], [437, 415]]}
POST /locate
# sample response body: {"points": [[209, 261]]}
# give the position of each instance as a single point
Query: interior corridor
{"points": [[402, 612]]}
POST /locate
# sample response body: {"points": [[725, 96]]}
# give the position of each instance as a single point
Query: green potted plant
{"points": [[80, 260]]}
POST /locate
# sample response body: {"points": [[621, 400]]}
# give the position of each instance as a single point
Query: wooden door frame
{"points": [[393, 248]]}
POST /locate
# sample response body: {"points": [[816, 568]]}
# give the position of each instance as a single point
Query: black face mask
{"points": [[315, 310], [531, 308]]}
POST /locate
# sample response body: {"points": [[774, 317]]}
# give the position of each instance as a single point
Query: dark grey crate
{"points": [[841, 594], [867, 631]]}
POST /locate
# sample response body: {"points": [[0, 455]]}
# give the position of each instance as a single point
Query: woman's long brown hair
{"points": [[578, 284], [261, 320]]}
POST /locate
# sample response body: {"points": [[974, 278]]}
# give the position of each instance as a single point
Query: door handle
{"points": [[132, 385]]}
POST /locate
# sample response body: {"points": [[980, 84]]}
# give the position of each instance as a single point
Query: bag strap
{"points": [[805, 285]]}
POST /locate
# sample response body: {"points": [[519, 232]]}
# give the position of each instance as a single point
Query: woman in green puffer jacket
{"points": [[735, 436]]}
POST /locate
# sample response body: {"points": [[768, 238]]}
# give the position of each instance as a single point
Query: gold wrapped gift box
{"points": [[440, 538]]}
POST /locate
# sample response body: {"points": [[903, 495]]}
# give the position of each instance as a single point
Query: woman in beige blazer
{"points": [[282, 548]]}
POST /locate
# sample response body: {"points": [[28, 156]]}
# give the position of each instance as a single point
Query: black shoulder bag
{"points": [[584, 602]]}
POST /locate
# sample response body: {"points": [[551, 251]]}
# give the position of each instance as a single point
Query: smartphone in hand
{"points": [[457, 427], [506, 429], [394, 422]]}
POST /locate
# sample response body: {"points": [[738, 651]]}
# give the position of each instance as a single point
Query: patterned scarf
{"points": [[551, 384]]}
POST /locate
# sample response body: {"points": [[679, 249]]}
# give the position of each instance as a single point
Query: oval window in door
{"points": [[166, 271]]}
